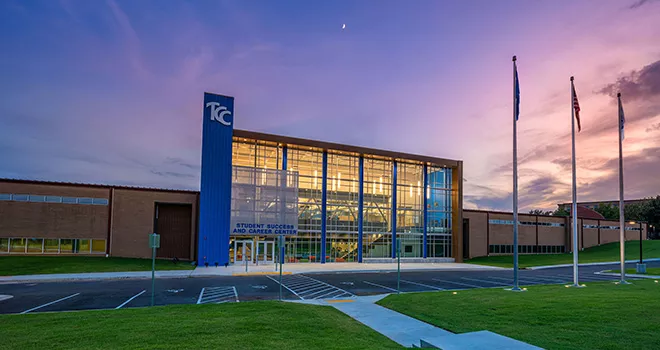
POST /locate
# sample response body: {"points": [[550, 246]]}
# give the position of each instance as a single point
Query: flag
{"points": [[576, 107], [622, 118], [517, 87]]}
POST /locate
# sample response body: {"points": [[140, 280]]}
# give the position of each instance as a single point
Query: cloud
{"points": [[130, 35], [171, 174], [653, 127], [640, 3], [641, 84]]}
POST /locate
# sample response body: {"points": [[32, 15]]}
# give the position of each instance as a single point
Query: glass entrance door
{"points": [[243, 251], [265, 252]]}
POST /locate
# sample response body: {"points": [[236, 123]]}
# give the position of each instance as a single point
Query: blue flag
{"points": [[517, 87]]}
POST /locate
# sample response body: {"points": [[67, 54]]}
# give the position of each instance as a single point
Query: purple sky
{"points": [[111, 91]]}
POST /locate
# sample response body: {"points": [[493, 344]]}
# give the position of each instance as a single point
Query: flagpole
{"points": [[622, 224], [574, 206], [515, 181]]}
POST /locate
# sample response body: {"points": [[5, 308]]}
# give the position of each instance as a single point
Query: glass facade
{"points": [[422, 207]]}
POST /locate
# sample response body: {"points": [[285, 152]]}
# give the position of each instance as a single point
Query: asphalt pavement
{"points": [[126, 293]]}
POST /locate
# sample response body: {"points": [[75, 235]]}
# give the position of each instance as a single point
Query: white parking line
{"points": [[549, 279], [458, 283], [130, 299], [51, 303], [235, 294], [423, 285], [477, 280], [520, 279], [218, 295], [289, 289], [378, 285], [201, 292]]}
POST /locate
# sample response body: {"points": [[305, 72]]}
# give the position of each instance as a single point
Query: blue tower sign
{"points": [[215, 188]]}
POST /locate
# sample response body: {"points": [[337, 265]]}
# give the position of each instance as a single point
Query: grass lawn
{"points": [[32, 265], [254, 325], [603, 253], [600, 316], [649, 271]]}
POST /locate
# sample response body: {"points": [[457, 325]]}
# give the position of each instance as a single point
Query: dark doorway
{"points": [[466, 238], [173, 223]]}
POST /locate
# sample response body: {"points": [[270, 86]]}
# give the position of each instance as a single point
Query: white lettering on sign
{"points": [[264, 229], [218, 113]]}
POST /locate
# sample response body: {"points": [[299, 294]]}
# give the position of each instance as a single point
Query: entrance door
{"points": [[265, 252], [243, 251], [174, 223]]}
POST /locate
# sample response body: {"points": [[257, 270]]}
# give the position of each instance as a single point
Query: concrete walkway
{"points": [[269, 269], [411, 332], [239, 270]]}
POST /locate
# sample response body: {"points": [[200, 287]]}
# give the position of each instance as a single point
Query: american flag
{"points": [[576, 107]]}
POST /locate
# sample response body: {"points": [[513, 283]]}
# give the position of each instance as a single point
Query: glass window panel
{"points": [[35, 245], [98, 246], [37, 198], [4, 245], [100, 201], [67, 246], [51, 246], [69, 200], [20, 197], [53, 199], [5, 196], [17, 245], [83, 246], [85, 201]]}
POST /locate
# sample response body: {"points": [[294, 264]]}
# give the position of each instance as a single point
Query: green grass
{"points": [[603, 253], [33, 265], [600, 316], [649, 271], [254, 325]]}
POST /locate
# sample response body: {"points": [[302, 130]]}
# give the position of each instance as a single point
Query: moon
{"points": [[343, 26]]}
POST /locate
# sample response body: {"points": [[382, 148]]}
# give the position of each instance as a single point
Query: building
{"points": [[491, 233], [331, 202], [594, 205]]}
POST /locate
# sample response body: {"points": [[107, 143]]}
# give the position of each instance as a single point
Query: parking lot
{"points": [[117, 294]]}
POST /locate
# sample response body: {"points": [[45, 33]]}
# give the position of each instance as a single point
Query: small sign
{"points": [[154, 240]]}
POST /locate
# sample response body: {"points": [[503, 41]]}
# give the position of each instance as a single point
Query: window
{"points": [[69, 200], [83, 246], [5, 196], [4, 245], [409, 249], [20, 197], [98, 246], [85, 201], [66, 246], [17, 245], [51, 246], [35, 245], [53, 199], [37, 198], [100, 201]]}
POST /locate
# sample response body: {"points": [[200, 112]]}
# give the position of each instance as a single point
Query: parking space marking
{"points": [[130, 299], [548, 279], [485, 281], [51, 303], [422, 285], [218, 295], [587, 278], [305, 288], [520, 279], [458, 283], [380, 286]]}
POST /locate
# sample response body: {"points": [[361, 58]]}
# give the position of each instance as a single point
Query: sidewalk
{"points": [[590, 264], [240, 270], [411, 332], [252, 270]]}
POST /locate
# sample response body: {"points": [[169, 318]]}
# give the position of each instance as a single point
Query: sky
{"points": [[110, 91]]}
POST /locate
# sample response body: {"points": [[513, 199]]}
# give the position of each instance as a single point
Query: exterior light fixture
{"points": [[454, 293]]}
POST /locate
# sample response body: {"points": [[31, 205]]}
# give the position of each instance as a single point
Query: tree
{"points": [[561, 212], [608, 211], [540, 212]]}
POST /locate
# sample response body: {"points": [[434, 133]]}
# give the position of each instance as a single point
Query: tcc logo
{"points": [[218, 113]]}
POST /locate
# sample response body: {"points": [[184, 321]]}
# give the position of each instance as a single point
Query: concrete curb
{"points": [[95, 276], [588, 264], [652, 277]]}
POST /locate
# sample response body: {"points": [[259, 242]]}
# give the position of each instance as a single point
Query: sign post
{"points": [[398, 266], [281, 258], [154, 242]]}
